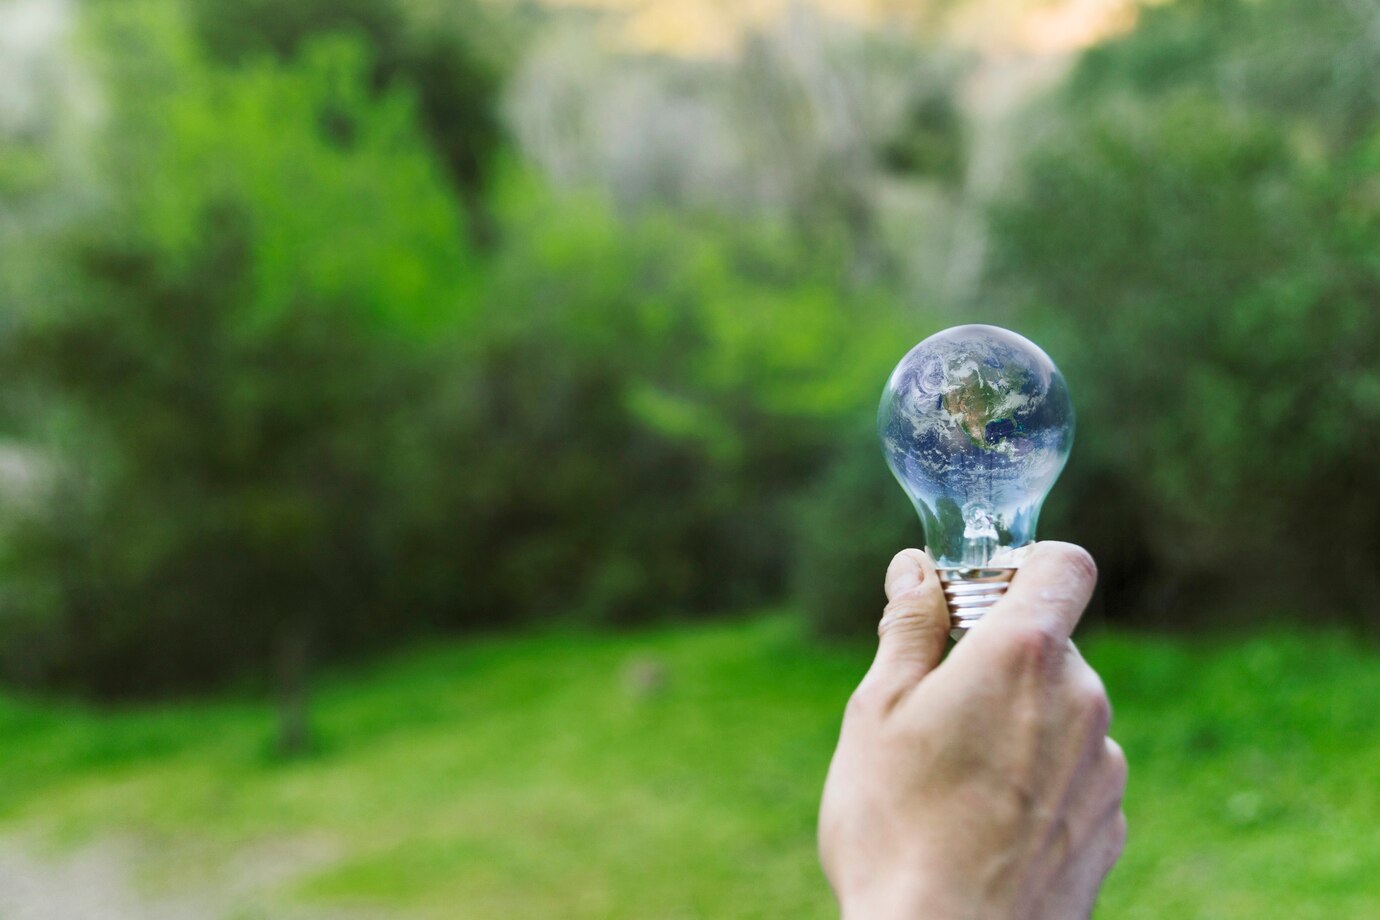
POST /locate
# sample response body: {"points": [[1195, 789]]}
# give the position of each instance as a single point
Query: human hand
{"points": [[984, 786]]}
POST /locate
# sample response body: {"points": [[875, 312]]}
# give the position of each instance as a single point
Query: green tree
{"points": [[451, 55], [224, 383], [1193, 238], [653, 397]]}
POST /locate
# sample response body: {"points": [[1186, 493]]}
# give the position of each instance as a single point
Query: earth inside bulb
{"points": [[976, 423]]}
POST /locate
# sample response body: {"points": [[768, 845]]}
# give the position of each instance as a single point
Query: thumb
{"points": [[915, 623]]}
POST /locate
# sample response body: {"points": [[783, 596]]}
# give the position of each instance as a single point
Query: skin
{"points": [[982, 785]]}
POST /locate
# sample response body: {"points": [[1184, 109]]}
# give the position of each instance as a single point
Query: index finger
{"points": [[1049, 592]]}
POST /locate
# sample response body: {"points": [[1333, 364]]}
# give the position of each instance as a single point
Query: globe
{"points": [[976, 424]]}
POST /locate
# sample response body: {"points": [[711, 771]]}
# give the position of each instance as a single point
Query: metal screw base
{"points": [[970, 591]]}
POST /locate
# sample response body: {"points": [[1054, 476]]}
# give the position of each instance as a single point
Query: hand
{"points": [[986, 786]]}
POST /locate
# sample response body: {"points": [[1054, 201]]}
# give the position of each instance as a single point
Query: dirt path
{"points": [[101, 881], [91, 884]]}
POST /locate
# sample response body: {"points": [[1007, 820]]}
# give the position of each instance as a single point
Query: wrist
{"points": [[911, 899], [920, 898]]}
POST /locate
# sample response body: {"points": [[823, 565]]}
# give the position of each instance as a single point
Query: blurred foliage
{"points": [[649, 413], [306, 347], [1197, 244], [274, 392], [221, 375], [450, 55], [306, 353], [849, 524]]}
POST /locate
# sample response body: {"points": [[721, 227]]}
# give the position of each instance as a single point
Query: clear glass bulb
{"points": [[976, 423]]}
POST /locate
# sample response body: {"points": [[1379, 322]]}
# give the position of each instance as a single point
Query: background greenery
{"points": [[333, 327], [547, 776]]}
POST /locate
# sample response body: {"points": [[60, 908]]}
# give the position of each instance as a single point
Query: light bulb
{"points": [[976, 423]]}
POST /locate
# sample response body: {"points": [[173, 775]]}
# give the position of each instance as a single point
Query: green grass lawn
{"points": [[530, 777]]}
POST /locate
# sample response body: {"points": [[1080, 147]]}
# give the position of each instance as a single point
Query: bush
{"points": [[452, 57], [283, 406], [655, 397], [226, 370], [1201, 263], [849, 525]]}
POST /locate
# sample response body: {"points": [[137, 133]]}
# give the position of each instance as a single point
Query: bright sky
{"points": [[708, 27]]}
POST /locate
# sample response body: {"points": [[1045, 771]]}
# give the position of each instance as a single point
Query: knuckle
{"points": [[1093, 699], [1116, 834], [864, 702], [1033, 646], [1099, 710], [1117, 764]]}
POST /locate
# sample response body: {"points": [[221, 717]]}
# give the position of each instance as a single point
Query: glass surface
{"points": [[976, 423]]}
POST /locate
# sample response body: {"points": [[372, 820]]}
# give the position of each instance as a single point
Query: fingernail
{"points": [[908, 580], [913, 587]]}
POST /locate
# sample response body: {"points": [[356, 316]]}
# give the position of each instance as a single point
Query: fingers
{"points": [[1083, 878], [1096, 793], [1111, 825], [1048, 594], [1098, 826], [915, 621], [913, 629]]}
